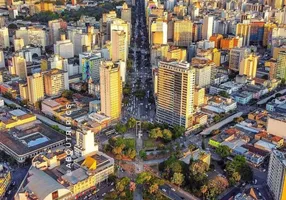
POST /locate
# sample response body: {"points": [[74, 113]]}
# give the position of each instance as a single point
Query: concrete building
{"points": [[183, 32], [90, 64], [126, 13], [84, 143], [55, 27], [248, 66], [281, 66], [4, 38], [176, 84], [207, 29], [18, 44], [37, 37], [110, 89], [236, 57], [119, 46], [64, 48], [243, 30], [203, 68], [36, 90], [19, 64], [55, 82], [276, 178], [159, 32], [276, 125], [199, 96]]}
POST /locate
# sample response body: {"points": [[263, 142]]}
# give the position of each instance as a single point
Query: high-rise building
{"points": [[203, 69], [236, 56], [55, 27], [248, 66], [197, 31], [176, 53], [276, 178], [37, 37], [18, 44], [90, 65], [110, 89], [54, 62], [120, 25], [159, 32], [243, 30], [19, 64], [23, 88], [64, 48], [118, 51], [216, 38], [281, 66], [207, 29], [268, 27], [199, 96], [256, 31], [2, 59], [22, 32], [4, 37], [175, 94], [85, 144], [272, 68], [180, 10], [36, 90], [183, 32], [126, 13], [55, 82]]}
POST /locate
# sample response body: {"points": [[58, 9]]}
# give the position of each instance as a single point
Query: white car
{"points": [[164, 190], [173, 189], [103, 194]]}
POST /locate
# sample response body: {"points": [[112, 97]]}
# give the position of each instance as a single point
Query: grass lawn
{"points": [[129, 142], [150, 143]]}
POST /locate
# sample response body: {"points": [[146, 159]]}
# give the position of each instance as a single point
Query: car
{"points": [[173, 189], [112, 183], [103, 194], [164, 190], [85, 197], [9, 192], [264, 170], [112, 190]]}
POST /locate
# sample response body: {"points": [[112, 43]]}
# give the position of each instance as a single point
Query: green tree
{"points": [[143, 154], [178, 131], [67, 94], [178, 179], [131, 153], [156, 133], [216, 186], [238, 119], [198, 167], [224, 94], [223, 151], [131, 123], [203, 190], [239, 165], [143, 177], [167, 134], [120, 128], [217, 118], [122, 184]]}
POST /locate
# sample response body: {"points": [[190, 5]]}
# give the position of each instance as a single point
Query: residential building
{"points": [[37, 37], [18, 44], [23, 89], [90, 65], [64, 48], [216, 38], [55, 82], [4, 38], [183, 32], [203, 68], [207, 29], [55, 27], [36, 90], [199, 96], [175, 53], [110, 89], [85, 144], [118, 51], [19, 65], [276, 178], [126, 13], [243, 30], [236, 57], [175, 95], [159, 32], [281, 67], [248, 66], [276, 125]]}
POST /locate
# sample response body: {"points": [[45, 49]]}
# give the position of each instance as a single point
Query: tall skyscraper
{"points": [[126, 13], [64, 48], [55, 27], [243, 30], [207, 27], [4, 38], [183, 32], [159, 32], [110, 89], [90, 65], [281, 66], [35, 87], [276, 178], [55, 82], [119, 45], [176, 84], [248, 66], [19, 64], [236, 56]]}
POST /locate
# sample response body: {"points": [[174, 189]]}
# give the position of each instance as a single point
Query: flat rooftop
{"points": [[29, 138]]}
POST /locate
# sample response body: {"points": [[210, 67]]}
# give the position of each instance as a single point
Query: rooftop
{"points": [[30, 137]]}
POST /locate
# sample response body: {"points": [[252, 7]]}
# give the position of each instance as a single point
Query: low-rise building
{"points": [[15, 118], [243, 97], [5, 179], [220, 104]]}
